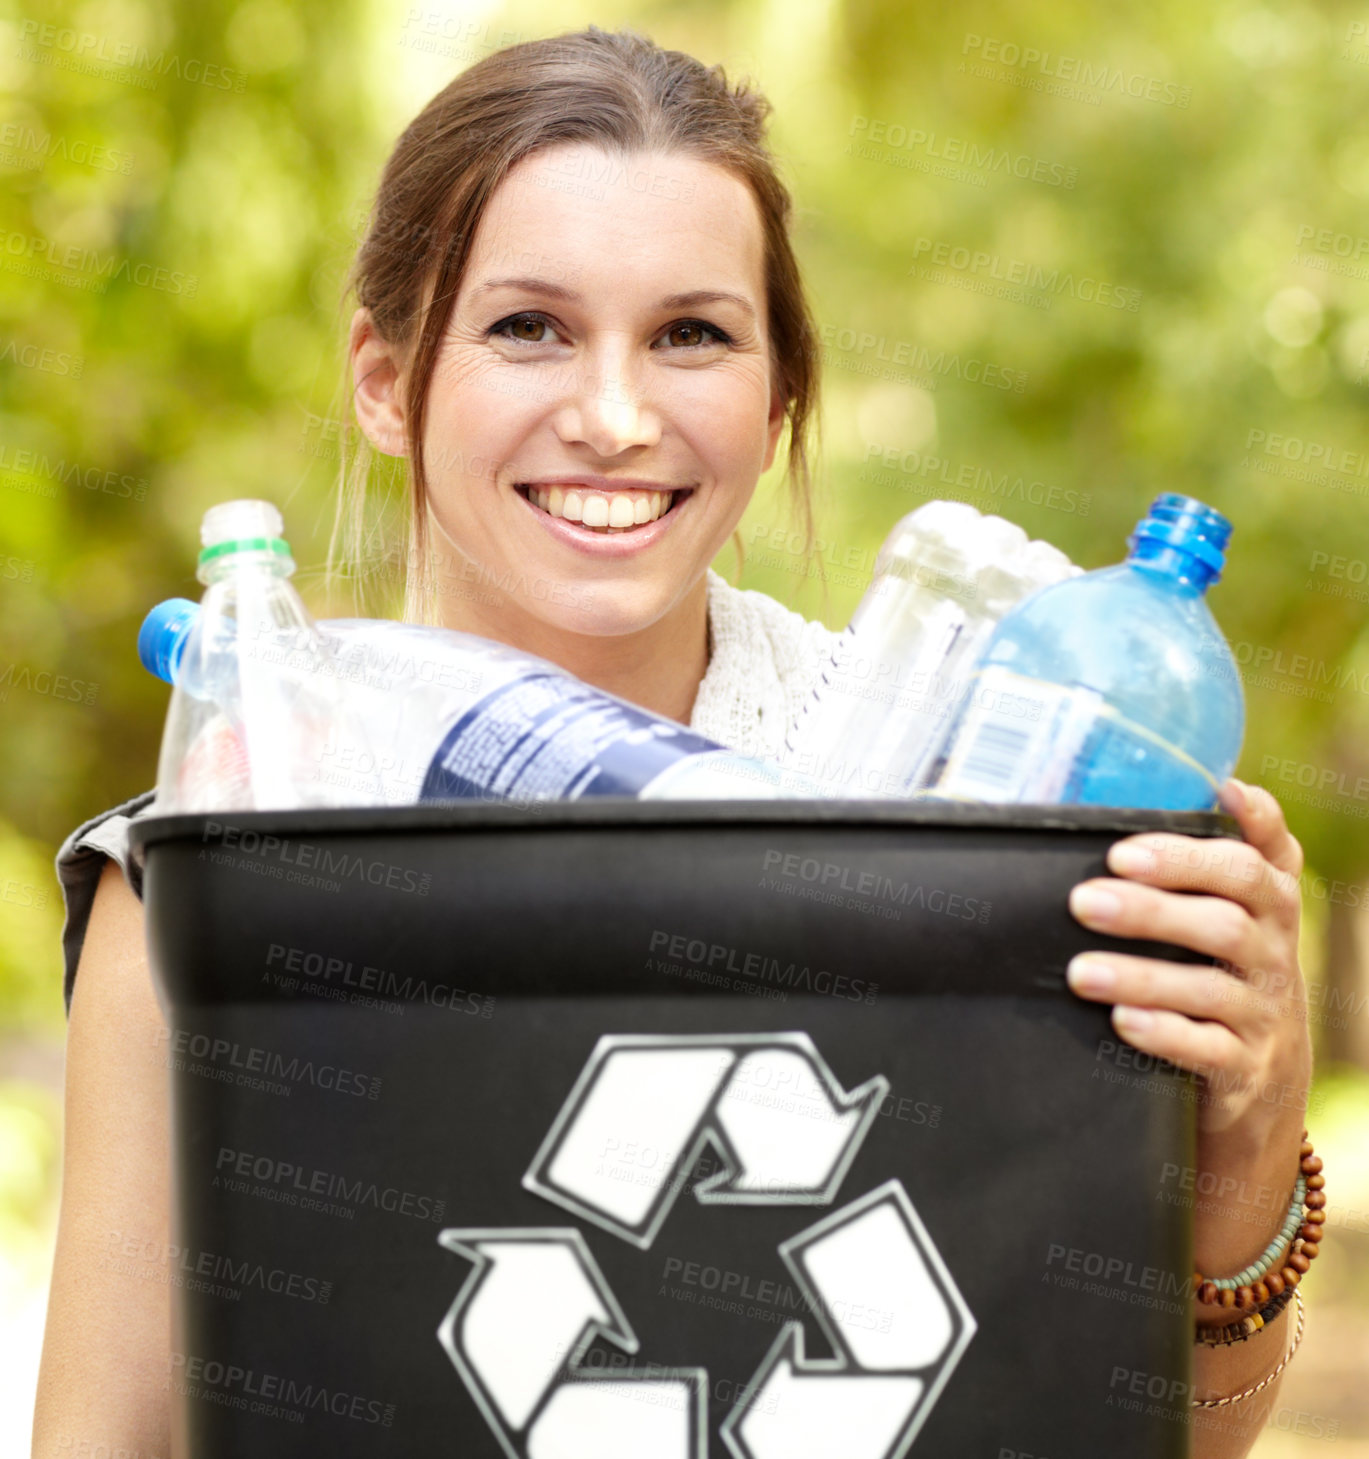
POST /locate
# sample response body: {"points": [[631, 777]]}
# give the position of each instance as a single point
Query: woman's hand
{"points": [[1241, 1026]]}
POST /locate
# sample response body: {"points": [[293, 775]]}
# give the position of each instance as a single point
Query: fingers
{"points": [[1213, 926], [1201, 1048], [1235, 870], [1143, 982], [1262, 824]]}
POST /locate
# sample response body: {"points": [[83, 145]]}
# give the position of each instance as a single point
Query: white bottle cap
{"points": [[236, 521]]}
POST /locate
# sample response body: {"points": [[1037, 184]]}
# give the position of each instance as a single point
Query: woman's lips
{"points": [[599, 536]]}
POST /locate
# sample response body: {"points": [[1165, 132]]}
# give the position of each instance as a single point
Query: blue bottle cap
{"points": [[1188, 524], [162, 638]]}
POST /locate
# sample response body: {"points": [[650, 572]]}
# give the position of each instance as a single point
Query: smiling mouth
{"points": [[604, 512]]}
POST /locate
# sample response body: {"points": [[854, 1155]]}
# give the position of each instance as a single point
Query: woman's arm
{"points": [[102, 1383], [1243, 1028]]}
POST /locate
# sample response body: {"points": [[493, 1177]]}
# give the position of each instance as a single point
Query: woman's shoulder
{"points": [[81, 859], [765, 660]]}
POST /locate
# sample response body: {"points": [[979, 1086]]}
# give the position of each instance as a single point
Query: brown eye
{"points": [[528, 327], [695, 331]]}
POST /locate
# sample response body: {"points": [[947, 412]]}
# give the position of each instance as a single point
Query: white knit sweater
{"points": [[764, 663]]}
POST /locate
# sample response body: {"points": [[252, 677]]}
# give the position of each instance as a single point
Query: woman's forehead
{"points": [[580, 215]]}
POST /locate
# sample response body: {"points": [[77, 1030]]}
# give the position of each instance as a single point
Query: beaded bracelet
{"points": [[1268, 1377], [1248, 1326], [1252, 1287]]}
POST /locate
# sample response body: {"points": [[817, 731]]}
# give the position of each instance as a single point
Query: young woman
{"points": [[581, 322]]}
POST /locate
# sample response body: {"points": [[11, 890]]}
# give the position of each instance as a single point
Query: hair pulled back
{"points": [[617, 91]]}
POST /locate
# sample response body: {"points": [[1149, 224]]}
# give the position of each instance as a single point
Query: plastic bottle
{"points": [[1116, 688], [879, 711], [270, 710], [254, 700]]}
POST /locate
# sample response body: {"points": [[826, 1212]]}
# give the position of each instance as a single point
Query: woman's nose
{"points": [[607, 410]]}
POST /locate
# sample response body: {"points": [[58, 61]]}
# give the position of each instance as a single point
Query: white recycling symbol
{"points": [[619, 1154]]}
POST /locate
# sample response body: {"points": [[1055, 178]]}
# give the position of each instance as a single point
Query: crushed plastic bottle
{"points": [[880, 709]]}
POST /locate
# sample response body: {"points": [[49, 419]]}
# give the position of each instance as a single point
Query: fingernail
{"points": [[1231, 797], [1131, 859], [1090, 974], [1093, 904], [1132, 1020]]}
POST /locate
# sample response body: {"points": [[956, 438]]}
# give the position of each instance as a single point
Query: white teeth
{"points": [[619, 511]]}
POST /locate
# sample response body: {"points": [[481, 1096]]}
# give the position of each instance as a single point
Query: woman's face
{"points": [[603, 403]]}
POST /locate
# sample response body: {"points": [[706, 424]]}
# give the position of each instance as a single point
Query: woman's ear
{"points": [[378, 386]]}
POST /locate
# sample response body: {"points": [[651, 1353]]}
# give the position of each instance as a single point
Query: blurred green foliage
{"points": [[173, 235]]}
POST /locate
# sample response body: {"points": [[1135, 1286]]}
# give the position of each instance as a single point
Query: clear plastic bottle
{"points": [[879, 711], [417, 714], [1116, 688], [256, 698]]}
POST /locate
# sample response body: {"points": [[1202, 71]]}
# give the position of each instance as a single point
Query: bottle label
{"points": [[547, 737], [1030, 741], [1018, 738]]}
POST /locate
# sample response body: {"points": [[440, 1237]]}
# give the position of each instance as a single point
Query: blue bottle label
{"points": [[1030, 741], [547, 737]]}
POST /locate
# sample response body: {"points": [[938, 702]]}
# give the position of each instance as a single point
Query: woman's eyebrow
{"points": [[671, 301]]}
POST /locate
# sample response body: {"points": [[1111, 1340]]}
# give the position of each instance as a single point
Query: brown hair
{"points": [[615, 90]]}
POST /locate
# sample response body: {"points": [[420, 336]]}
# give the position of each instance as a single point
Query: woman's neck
{"points": [[659, 667]]}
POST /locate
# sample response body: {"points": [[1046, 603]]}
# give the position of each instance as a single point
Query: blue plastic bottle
{"points": [[1115, 688]]}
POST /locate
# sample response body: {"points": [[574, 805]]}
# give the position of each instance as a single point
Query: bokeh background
{"points": [[1065, 256]]}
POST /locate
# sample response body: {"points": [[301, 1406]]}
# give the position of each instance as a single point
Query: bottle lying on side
{"points": [[271, 710]]}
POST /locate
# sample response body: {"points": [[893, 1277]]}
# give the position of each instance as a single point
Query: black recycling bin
{"points": [[663, 1130]]}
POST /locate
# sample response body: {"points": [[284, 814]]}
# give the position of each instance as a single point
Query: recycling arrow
{"points": [[627, 1139], [518, 1332], [645, 1108], [897, 1325]]}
